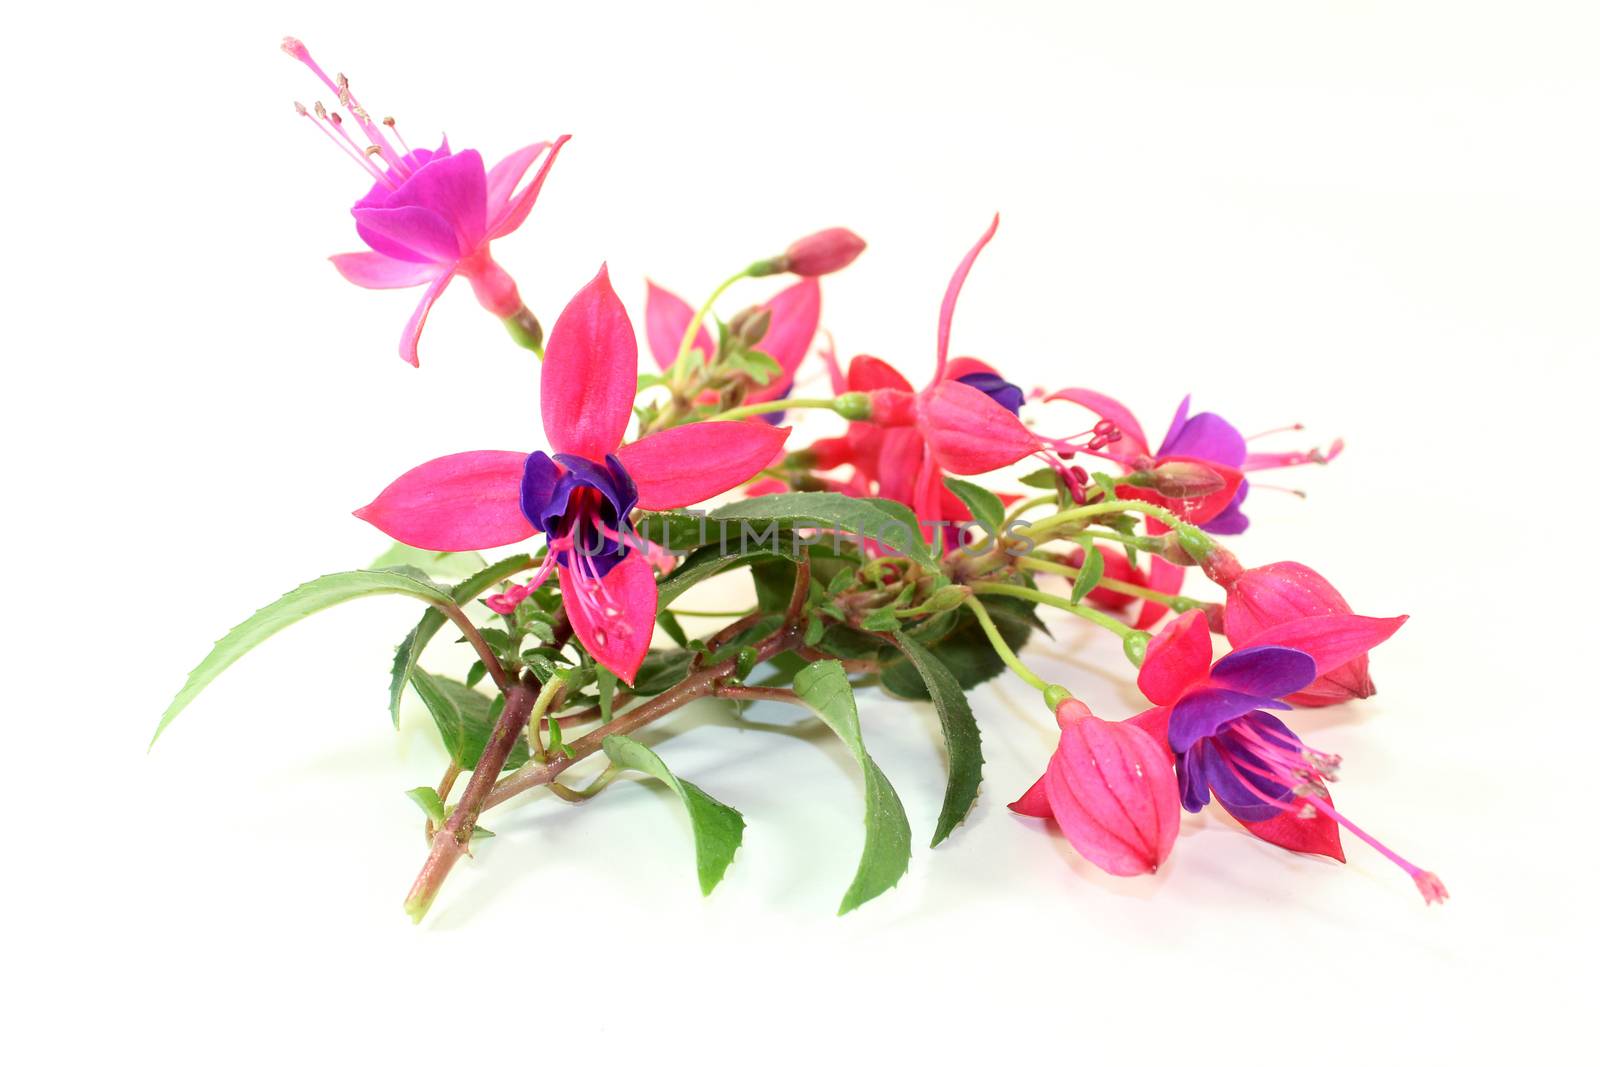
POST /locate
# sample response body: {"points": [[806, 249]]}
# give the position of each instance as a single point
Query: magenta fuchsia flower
{"points": [[964, 421], [580, 497], [796, 312], [1217, 720], [429, 215], [1109, 786], [1261, 599]]}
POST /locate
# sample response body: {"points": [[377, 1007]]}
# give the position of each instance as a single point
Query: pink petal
{"points": [[947, 309], [867, 373], [1178, 657], [1331, 640], [897, 463], [1318, 836], [1153, 721], [666, 317], [413, 331], [590, 372], [504, 176], [459, 503], [410, 233], [796, 312], [374, 270], [1034, 803], [454, 189], [516, 211], [1133, 440], [830, 358], [688, 464], [968, 432], [618, 641]]}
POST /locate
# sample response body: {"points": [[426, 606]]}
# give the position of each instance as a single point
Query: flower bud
{"points": [[751, 325], [823, 253], [857, 407], [1278, 593], [893, 407], [1184, 479], [1111, 789]]}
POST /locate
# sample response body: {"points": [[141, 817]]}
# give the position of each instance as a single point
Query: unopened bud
{"points": [[857, 407], [751, 325], [823, 253], [1182, 479], [947, 598]]}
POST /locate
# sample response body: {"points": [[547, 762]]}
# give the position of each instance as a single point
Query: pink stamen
{"points": [[1293, 428], [341, 90], [334, 131], [1300, 772]]}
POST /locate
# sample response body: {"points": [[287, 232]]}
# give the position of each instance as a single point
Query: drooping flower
{"points": [[963, 422], [1217, 720], [581, 496], [1110, 788], [1197, 473], [430, 215], [1261, 599], [794, 315]]}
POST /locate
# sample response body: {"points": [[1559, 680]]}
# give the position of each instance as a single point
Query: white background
{"points": [[1378, 219]]}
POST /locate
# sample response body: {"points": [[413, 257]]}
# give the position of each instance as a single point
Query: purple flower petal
{"points": [[1205, 712], [1265, 671], [1231, 519], [1179, 417], [1209, 437]]}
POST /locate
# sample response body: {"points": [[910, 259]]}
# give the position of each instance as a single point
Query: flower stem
{"points": [[1002, 649], [1107, 507], [1171, 600], [771, 406], [1022, 592], [680, 366]]}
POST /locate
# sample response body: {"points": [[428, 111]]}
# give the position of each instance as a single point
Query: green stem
{"points": [[1171, 600], [680, 367], [1002, 649], [770, 406], [1109, 507], [1022, 592]]}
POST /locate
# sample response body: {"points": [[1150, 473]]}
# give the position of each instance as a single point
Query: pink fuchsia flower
{"points": [[1226, 741], [1261, 599], [580, 497], [430, 215], [964, 421], [795, 313], [822, 253], [1110, 788]]}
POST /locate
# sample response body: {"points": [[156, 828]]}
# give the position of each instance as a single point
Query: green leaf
{"points": [[306, 600], [961, 738], [434, 564], [718, 829], [984, 505], [674, 530], [464, 592], [829, 512], [962, 647], [705, 562], [1089, 575], [662, 669], [887, 851], [465, 718], [427, 798], [1044, 478]]}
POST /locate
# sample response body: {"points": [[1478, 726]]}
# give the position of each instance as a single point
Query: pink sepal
{"points": [[458, 503], [591, 369], [688, 464], [619, 643]]}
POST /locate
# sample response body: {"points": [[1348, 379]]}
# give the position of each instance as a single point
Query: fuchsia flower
{"points": [[1197, 473], [795, 311], [964, 421], [1263, 599], [1216, 718], [580, 498], [429, 216], [1110, 788]]}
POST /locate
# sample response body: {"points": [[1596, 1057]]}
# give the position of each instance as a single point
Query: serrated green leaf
{"points": [[444, 565], [881, 620], [1089, 575], [465, 718], [718, 829], [887, 851], [674, 530], [426, 797], [606, 687], [986, 508], [702, 564], [288, 609], [463, 592], [672, 627], [962, 741], [962, 647]]}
